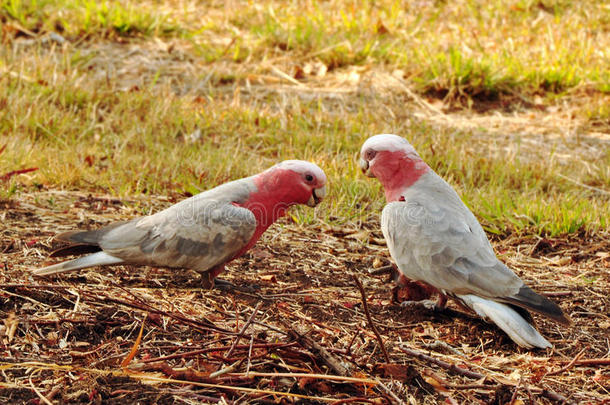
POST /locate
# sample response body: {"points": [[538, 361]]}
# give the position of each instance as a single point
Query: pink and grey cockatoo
{"points": [[433, 237], [201, 233]]}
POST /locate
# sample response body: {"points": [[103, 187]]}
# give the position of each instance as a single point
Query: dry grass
{"points": [[75, 331]]}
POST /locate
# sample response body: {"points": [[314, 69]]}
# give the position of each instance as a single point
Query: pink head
{"points": [[288, 183], [393, 161]]}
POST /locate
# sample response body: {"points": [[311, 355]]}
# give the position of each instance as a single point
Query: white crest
{"points": [[389, 142], [302, 166]]}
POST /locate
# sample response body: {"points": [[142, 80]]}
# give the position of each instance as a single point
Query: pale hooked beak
{"points": [[364, 165], [316, 196]]}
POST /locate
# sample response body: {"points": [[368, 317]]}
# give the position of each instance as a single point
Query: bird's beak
{"points": [[316, 196], [364, 165]]}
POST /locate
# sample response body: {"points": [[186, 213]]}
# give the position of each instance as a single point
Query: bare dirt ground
{"points": [[303, 337]]}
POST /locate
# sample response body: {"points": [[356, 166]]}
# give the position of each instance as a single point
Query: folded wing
{"points": [[198, 236]]}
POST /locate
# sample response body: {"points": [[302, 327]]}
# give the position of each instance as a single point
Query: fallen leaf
{"points": [[434, 380], [350, 305], [397, 371], [361, 236], [269, 277], [299, 73], [435, 383], [381, 28], [134, 349], [11, 322]]}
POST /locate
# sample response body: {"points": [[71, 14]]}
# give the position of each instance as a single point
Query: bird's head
{"points": [[392, 160], [296, 182]]}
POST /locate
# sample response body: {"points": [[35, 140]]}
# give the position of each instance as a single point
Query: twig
{"points": [[440, 344], [249, 355], [381, 270], [331, 361], [217, 349], [8, 175], [514, 396], [472, 374], [225, 370], [37, 392], [146, 378], [136, 344], [201, 398], [557, 293], [286, 76], [443, 364], [391, 393], [354, 399], [351, 342], [569, 365], [598, 190], [555, 396], [206, 325], [34, 286], [471, 386], [593, 362], [243, 329], [368, 317], [273, 328], [307, 375]]}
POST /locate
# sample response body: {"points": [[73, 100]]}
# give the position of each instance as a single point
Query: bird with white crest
{"points": [[434, 238], [201, 233]]}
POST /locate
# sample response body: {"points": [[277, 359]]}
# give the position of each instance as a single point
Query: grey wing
{"points": [[198, 237], [443, 244]]}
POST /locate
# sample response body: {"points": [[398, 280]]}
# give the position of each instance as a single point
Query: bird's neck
{"points": [[275, 193], [399, 172]]}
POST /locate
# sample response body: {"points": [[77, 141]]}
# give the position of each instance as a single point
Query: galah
{"points": [[201, 233], [434, 238]]}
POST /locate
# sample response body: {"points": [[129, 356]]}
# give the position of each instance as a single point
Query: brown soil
{"points": [[64, 339]]}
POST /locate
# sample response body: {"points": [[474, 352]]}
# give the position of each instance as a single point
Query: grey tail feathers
{"points": [[507, 319], [529, 299], [80, 237], [78, 249], [96, 259], [88, 237]]}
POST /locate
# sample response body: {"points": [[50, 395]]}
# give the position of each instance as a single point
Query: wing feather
{"points": [[213, 232], [438, 240]]}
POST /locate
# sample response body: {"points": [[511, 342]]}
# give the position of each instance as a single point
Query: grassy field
{"points": [[172, 98], [113, 109]]}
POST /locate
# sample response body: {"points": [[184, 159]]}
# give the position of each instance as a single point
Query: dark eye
{"points": [[308, 178], [370, 154]]}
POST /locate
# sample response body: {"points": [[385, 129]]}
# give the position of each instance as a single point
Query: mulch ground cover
{"points": [[145, 335]]}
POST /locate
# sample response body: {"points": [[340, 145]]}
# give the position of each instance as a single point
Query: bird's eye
{"points": [[308, 178], [370, 154]]}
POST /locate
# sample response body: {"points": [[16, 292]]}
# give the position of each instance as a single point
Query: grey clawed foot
{"points": [[225, 285], [428, 304]]}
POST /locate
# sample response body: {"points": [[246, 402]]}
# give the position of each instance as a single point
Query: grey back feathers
{"points": [[198, 233], [434, 237]]}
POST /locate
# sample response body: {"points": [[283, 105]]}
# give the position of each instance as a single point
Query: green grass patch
{"points": [[83, 131], [88, 18], [464, 51], [79, 138]]}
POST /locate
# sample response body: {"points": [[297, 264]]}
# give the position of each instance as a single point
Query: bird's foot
{"points": [[225, 285], [428, 304]]}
